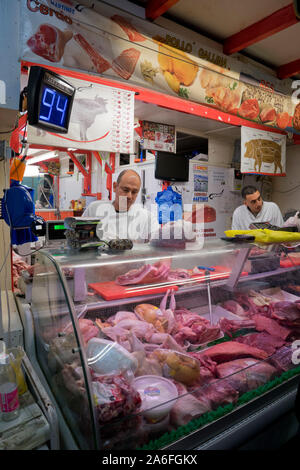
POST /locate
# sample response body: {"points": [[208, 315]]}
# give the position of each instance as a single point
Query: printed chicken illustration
{"points": [[224, 97], [210, 79], [177, 67], [221, 90]]}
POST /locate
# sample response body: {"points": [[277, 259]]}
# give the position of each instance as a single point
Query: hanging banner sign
{"points": [[159, 137], [262, 152], [102, 118], [114, 44]]}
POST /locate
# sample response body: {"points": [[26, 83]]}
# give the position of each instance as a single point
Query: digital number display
{"points": [[53, 106], [49, 100]]}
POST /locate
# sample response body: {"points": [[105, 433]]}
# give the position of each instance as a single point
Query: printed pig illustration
{"points": [[84, 113], [264, 151]]}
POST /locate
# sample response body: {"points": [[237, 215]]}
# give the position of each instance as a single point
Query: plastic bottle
{"points": [[9, 399]]}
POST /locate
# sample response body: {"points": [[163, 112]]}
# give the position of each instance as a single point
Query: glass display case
{"points": [[155, 348]]}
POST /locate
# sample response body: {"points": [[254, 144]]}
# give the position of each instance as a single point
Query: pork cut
{"points": [[287, 313], [193, 328], [282, 359], [49, 42], [187, 407], [216, 393], [263, 323], [246, 374], [99, 62], [230, 326], [128, 28], [263, 341], [125, 63], [234, 307], [230, 350], [148, 273]]}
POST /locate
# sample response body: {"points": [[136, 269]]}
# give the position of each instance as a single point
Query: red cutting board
{"points": [[290, 262], [112, 291], [220, 272]]}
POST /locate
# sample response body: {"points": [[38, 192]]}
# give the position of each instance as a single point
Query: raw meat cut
{"points": [[49, 42], [151, 273], [124, 65], [230, 326], [177, 274], [88, 329], [254, 373], [157, 272], [234, 307], [114, 397], [262, 341], [282, 359], [187, 407], [287, 313], [99, 62], [263, 323], [231, 350], [130, 30], [194, 328], [215, 394]]}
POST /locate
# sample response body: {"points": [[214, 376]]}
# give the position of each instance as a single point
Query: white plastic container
{"points": [[157, 394]]}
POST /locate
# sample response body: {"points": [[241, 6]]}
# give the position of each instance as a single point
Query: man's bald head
{"points": [[125, 172], [126, 188]]}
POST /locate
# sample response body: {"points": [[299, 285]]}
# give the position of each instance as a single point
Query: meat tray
{"points": [[280, 296]]}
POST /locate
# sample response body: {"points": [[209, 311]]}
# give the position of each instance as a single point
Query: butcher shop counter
{"points": [[167, 349]]}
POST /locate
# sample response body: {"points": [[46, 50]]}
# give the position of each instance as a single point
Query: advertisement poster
{"points": [[212, 214], [159, 137], [102, 118], [103, 41], [262, 152], [200, 178]]}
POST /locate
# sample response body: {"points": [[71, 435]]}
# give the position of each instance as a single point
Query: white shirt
{"points": [[135, 224], [243, 217]]}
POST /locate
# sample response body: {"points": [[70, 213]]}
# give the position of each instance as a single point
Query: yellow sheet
{"points": [[267, 236]]}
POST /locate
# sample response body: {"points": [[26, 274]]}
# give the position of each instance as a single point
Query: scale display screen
{"points": [[49, 100], [55, 230]]}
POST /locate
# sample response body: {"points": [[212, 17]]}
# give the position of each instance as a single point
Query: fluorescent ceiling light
{"points": [[32, 170], [41, 158]]}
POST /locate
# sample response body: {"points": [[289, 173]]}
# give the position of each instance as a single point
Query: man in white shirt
{"points": [[255, 210], [122, 218]]}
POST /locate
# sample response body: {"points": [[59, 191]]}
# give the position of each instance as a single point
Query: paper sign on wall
{"points": [[102, 118], [262, 152], [158, 136]]}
